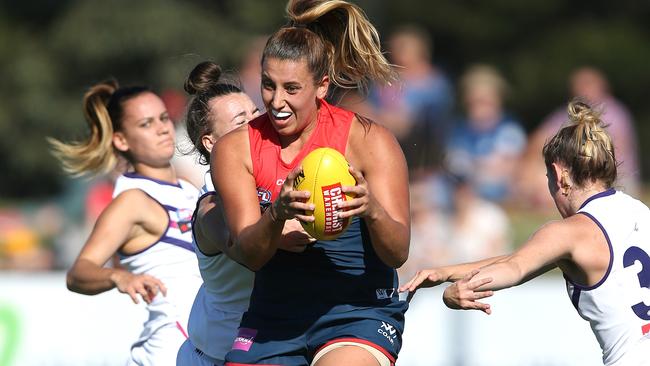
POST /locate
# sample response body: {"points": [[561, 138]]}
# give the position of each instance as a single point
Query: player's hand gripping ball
{"points": [[324, 172]]}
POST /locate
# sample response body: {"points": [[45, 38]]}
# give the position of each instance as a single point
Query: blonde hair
{"points": [[584, 146], [103, 111], [336, 39]]}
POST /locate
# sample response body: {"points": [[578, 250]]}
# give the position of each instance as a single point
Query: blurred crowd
{"points": [[472, 164]]}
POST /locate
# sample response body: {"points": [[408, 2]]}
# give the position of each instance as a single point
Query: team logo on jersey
{"points": [[181, 219], [388, 331], [264, 197]]}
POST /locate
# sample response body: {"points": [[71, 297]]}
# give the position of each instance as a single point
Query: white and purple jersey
{"points": [[618, 306], [221, 300], [170, 259]]}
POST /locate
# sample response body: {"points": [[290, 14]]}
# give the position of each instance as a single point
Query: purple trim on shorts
{"points": [[140, 176], [245, 339], [606, 193], [611, 257]]}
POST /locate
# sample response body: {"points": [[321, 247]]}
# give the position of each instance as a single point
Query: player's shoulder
{"points": [[232, 143], [131, 205], [368, 135], [364, 129]]}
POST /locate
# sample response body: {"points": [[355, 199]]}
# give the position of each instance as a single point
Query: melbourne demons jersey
{"points": [[171, 259], [221, 300], [618, 307], [329, 276]]}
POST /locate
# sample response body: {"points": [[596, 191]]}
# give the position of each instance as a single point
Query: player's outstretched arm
{"points": [[89, 276], [435, 276], [552, 243]]}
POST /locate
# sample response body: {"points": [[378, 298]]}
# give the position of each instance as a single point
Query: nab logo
{"points": [[388, 331]]}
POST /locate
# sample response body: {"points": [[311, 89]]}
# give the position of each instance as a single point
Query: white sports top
{"points": [[221, 300], [171, 258], [618, 307]]}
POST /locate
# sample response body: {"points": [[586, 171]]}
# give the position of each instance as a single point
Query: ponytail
{"points": [[103, 111], [584, 146], [336, 39]]}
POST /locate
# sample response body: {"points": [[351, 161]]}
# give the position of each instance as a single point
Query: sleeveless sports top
{"points": [[221, 300], [171, 258], [614, 307], [329, 276]]}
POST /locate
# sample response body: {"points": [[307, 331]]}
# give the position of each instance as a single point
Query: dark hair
{"points": [[584, 147], [204, 83], [103, 107], [336, 39]]}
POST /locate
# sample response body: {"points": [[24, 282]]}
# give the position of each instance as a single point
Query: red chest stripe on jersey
{"points": [[646, 328]]}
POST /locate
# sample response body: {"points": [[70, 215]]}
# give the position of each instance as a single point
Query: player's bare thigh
{"points": [[350, 353]]}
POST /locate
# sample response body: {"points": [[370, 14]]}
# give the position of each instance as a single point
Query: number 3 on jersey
{"points": [[633, 254]]}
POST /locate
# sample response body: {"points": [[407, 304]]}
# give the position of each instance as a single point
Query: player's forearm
{"points": [[88, 278], [456, 272], [255, 245], [390, 238], [504, 274]]}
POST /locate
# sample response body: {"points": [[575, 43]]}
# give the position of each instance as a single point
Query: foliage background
{"points": [[51, 51]]}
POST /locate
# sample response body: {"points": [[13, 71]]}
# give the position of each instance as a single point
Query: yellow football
{"points": [[324, 172]]}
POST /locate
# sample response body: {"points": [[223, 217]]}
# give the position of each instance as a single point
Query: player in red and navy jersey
{"points": [[336, 302]]}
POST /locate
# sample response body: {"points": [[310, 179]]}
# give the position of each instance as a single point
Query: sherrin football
{"points": [[324, 172]]}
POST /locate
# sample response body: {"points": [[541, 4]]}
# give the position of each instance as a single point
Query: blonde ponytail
{"points": [[337, 39], [584, 146], [103, 111], [95, 154]]}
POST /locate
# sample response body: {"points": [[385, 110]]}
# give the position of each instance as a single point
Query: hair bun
{"points": [[582, 113], [202, 77]]}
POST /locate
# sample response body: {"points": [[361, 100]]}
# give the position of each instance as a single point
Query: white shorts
{"points": [[188, 355], [159, 349]]}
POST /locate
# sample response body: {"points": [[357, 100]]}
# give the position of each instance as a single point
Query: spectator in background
{"points": [[591, 85], [485, 147], [418, 108], [472, 228]]}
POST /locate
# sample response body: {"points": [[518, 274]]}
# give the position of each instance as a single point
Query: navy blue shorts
{"points": [[294, 343]]}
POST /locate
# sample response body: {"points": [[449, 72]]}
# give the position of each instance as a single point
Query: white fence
{"points": [[42, 323]]}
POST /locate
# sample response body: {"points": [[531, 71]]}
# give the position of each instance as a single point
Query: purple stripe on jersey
{"points": [[139, 176], [169, 208], [180, 243], [611, 256], [575, 297], [606, 193]]}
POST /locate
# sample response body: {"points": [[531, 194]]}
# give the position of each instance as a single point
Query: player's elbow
{"points": [[72, 283], [397, 257], [401, 258]]}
